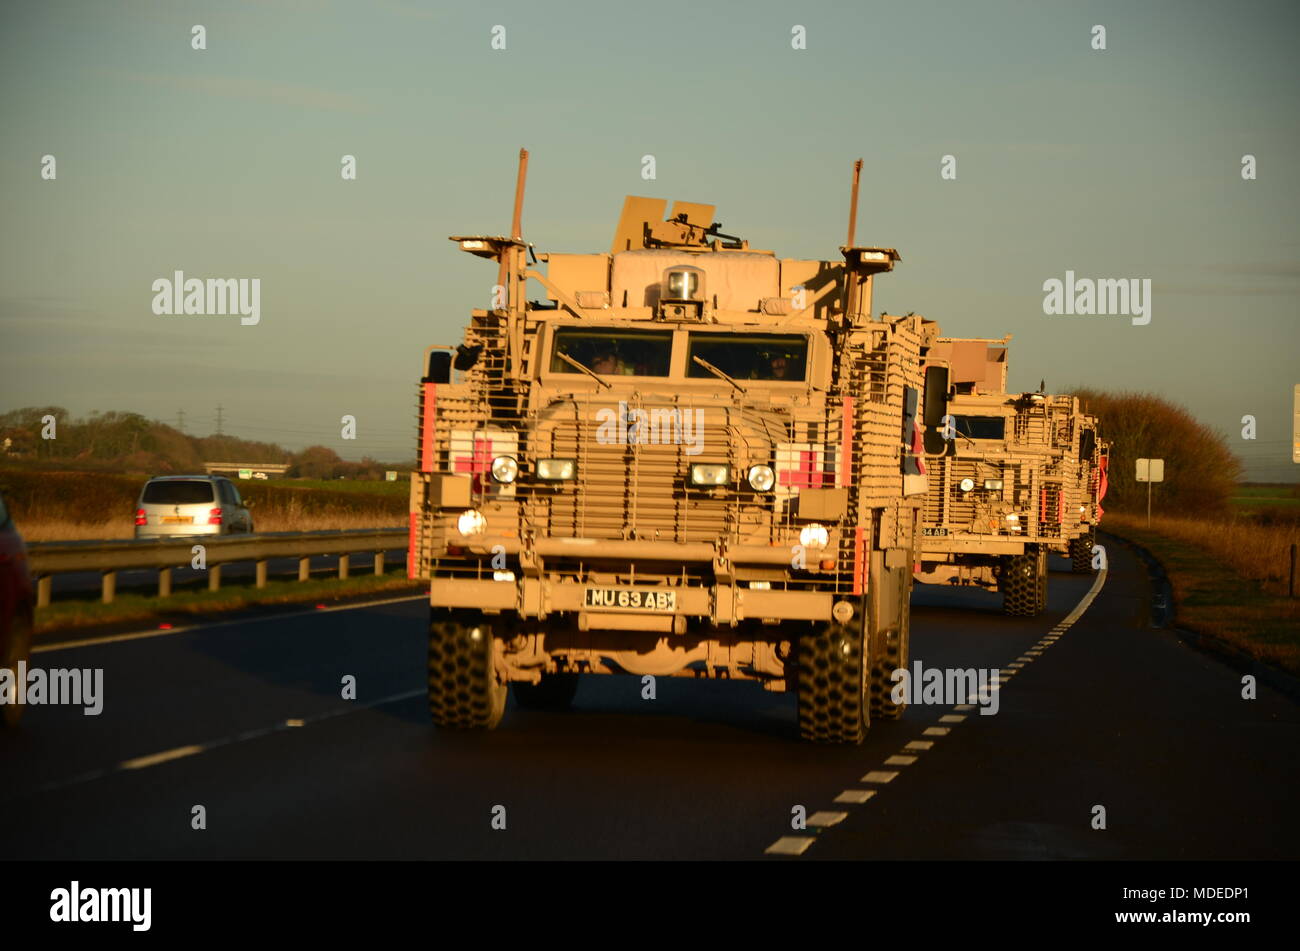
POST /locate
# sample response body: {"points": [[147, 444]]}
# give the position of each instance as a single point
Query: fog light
{"points": [[471, 522], [966, 485], [556, 470], [761, 478], [710, 473], [814, 536], [505, 469]]}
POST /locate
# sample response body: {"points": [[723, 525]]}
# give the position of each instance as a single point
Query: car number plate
{"points": [[178, 519], [632, 599], [934, 532]]}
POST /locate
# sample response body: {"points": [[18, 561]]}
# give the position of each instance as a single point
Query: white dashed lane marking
{"points": [[797, 845]]}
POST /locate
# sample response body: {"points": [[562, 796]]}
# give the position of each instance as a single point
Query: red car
{"points": [[17, 605]]}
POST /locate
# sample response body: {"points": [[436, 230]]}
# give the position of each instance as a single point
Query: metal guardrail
{"points": [[47, 559]]}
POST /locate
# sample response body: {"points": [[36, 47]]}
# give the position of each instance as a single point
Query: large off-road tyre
{"points": [[831, 692], [16, 649], [1081, 552], [888, 609], [1022, 579], [464, 691], [554, 692]]}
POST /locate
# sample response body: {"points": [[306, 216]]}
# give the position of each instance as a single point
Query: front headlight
{"points": [[993, 483], [471, 523], [505, 469], [556, 470], [710, 473], [814, 536], [761, 478]]}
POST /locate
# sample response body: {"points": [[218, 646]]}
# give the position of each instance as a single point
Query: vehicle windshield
{"points": [[777, 357], [981, 427], [608, 352], [183, 492]]}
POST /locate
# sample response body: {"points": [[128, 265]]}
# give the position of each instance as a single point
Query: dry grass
{"points": [[1258, 552], [64, 530], [1228, 578]]}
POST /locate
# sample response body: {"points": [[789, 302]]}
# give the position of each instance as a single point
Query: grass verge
{"points": [[183, 605], [1228, 581]]}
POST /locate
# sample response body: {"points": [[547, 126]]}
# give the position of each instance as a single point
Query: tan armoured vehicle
{"points": [[693, 458], [1090, 462], [1007, 481]]}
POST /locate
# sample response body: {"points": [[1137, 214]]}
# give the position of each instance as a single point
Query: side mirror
{"points": [[466, 357], [936, 407], [439, 367]]}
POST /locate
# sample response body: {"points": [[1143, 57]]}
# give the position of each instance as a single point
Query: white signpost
{"points": [[1295, 427], [1148, 471]]}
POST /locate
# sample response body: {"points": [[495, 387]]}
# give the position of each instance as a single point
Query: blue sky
{"points": [[1122, 163]]}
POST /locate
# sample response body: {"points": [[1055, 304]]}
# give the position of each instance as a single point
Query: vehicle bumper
{"points": [[181, 531], [724, 604]]}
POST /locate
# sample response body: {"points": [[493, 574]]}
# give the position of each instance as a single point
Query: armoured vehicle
{"points": [[692, 458], [1091, 477], [1011, 477]]}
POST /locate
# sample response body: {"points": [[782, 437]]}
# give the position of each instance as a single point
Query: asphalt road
{"points": [[1115, 714]]}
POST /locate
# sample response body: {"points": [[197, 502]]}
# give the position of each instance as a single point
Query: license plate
{"points": [[178, 519], [632, 599], [934, 532]]}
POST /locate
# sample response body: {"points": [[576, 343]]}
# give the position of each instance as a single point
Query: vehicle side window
{"points": [[4, 512], [234, 495], [224, 493]]}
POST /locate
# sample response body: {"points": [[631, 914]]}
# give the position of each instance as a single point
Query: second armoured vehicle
{"points": [[1011, 477]]}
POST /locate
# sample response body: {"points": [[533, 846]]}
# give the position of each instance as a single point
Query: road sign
{"points": [[246, 473], [390, 475], [1151, 470], [1295, 427]]}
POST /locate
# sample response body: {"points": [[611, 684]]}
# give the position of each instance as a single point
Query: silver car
{"points": [[190, 505]]}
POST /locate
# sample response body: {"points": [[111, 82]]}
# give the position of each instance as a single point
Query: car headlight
{"points": [[761, 478], [993, 483], [966, 485], [556, 470], [471, 522], [505, 469], [710, 473], [814, 536]]}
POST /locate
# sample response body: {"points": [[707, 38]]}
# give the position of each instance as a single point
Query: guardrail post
{"points": [[164, 582], [344, 560], [379, 562], [108, 586], [261, 574], [304, 569], [214, 577], [44, 588]]}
